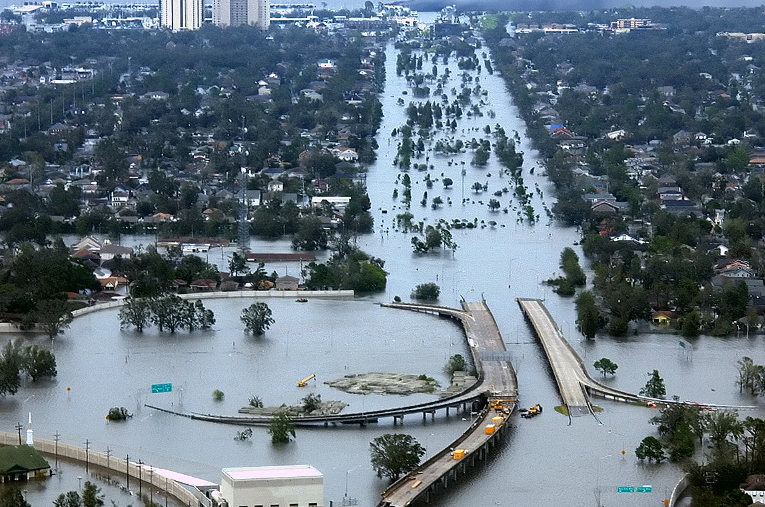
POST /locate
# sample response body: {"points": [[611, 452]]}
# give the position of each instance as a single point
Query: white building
{"points": [[269, 486], [180, 14], [242, 12]]}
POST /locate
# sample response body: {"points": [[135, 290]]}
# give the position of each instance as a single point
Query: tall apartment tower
{"points": [[180, 14], [242, 12]]}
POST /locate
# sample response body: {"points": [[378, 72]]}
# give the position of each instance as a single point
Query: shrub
{"points": [[118, 414]]}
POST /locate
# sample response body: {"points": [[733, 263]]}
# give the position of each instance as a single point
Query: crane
{"points": [[304, 382]]}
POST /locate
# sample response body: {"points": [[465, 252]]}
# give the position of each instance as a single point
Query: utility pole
{"points": [[87, 450], [140, 484], [151, 486], [18, 428], [108, 455], [56, 437], [127, 471]]}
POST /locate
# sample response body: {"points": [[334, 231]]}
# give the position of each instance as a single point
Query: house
{"points": [[663, 318], [119, 196], [681, 137], [88, 243], [604, 208], [681, 207], [204, 284], [736, 269], [754, 486], [157, 95], [287, 282], [21, 463], [348, 155], [113, 282], [321, 186], [275, 186], [617, 135], [109, 251], [336, 201]]}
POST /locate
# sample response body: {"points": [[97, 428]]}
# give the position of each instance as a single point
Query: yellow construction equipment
{"points": [[305, 381], [532, 412]]}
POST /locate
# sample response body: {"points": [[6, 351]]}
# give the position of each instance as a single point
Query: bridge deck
{"points": [[491, 361], [565, 363]]}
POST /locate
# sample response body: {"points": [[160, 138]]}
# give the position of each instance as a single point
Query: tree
{"points": [[447, 182], [691, 324], [10, 362], [12, 497], [394, 454], [606, 366], [588, 317], [654, 388], [53, 316], [651, 449], [38, 362], [750, 376], [237, 264], [494, 204], [455, 363], [311, 402], [721, 426], [91, 496], [68, 499], [257, 318], [204, 317], [281, 428], [167, 312], [135, 312], [427, 291]]}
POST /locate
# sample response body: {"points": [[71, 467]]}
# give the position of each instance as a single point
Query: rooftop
{"points": [[271, 472]]}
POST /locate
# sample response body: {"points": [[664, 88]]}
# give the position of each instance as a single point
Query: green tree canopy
{"points": [[394, 454]]}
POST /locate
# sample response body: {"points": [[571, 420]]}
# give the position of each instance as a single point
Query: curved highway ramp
{"points": [[574, 383]]}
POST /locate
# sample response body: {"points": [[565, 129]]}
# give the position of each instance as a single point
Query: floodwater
{"points": [[544, 459]]}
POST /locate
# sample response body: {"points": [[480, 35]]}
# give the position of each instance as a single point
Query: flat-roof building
{"points": [[269, 486]]}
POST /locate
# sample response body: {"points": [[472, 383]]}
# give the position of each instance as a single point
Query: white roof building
{"points": [[285, 486]]}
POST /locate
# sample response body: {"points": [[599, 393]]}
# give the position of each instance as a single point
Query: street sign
{"points": [[625, 489], [161, 388], [644, 489]]}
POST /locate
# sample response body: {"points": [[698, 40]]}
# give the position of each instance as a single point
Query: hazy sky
{"points": [[575, 4]]}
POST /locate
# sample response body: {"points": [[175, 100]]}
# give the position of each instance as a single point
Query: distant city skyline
{"points": [[425, 5]]}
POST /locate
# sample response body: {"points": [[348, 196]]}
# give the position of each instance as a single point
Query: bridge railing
{"points": [[436, 457]]}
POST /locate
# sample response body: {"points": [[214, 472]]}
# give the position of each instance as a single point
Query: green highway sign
{"points": [[625, 489], [161, 388], [644, 489]]}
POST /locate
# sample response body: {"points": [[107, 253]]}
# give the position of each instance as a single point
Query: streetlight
{"points": [[79, 480]]}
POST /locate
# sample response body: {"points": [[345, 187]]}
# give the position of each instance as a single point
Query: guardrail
{"points": [[142, 474], [678, 490], [479, 420]]}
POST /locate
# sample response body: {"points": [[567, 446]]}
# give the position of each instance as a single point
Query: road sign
{"points": [[625, 489], [644, 489], [161, 388]]}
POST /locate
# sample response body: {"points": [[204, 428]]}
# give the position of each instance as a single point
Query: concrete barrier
{"points": [[9, 327], [116, 466], [678, 490]]}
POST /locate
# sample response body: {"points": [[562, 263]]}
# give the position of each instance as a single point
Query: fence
{"points": [[144, 476]]}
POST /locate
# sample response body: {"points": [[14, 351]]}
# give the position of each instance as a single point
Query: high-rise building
{"points": [[180, 14], [242, 12]]}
